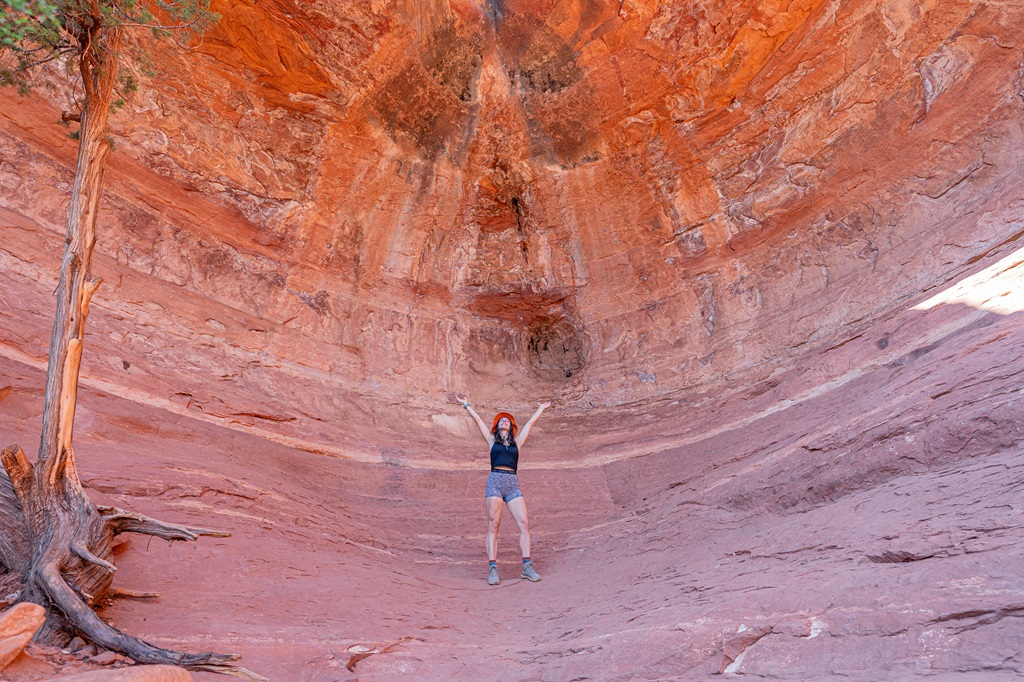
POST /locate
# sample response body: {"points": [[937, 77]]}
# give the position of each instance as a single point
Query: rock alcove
{"points": [[763, 257], [554, 349]]}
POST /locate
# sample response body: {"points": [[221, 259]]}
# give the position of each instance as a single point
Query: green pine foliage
{"points": [[29, 33], [36, 32]]}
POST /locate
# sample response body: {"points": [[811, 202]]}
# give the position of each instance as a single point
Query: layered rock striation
{"points": [[720, 237], [604, 204]]}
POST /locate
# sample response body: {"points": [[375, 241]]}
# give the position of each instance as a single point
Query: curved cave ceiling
{"points": [[329, 217]]}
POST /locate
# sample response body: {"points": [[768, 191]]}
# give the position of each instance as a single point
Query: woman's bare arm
{"points": [[488, 436], [521, 438]]}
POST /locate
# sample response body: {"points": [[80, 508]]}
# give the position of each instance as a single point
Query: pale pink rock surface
{"points": [[139, 673]]}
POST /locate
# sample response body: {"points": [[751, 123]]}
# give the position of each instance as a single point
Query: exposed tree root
{"points": [[56, 550], [56, 547], [121, 521], [124, 593]]}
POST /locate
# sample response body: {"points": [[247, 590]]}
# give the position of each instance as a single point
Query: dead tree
{"points": [[57, 549], [55, 544]]}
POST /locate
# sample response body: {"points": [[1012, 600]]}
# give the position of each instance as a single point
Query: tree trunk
{"points": [[76, 285], [55, 544]]}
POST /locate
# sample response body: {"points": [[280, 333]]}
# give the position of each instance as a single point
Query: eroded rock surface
{"points": [[17, 626], [600, 203], [142, 673], [764, 258]]}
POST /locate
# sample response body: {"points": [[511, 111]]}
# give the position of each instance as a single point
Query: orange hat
{"points": [[497, 418]]}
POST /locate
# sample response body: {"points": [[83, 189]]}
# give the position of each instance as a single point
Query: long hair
{"points": [[510, 437]]}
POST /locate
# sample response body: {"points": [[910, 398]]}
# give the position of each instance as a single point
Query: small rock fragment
{"points": [[734, 646], [104, 658], [76, 644]]}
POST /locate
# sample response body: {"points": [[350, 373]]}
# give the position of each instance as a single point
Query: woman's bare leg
{"points": [[519, 515], [495, 505]]}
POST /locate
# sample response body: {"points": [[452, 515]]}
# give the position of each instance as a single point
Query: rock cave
{"points": [[764, 258]]}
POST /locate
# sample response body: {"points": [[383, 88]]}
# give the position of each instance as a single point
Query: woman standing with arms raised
{"points": [[503, 484]]}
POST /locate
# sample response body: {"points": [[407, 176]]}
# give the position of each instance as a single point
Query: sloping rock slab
{"points": [[17, 626], [138, 673]]}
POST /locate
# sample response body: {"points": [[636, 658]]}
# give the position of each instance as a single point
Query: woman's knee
{"points": [[493, 525]]}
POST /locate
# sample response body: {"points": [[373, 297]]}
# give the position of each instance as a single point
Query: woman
{"points": [[503, 485]]}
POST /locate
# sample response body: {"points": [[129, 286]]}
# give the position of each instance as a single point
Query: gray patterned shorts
{"points": [[503, 484]]}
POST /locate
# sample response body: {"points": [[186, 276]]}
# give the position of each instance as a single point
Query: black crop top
{"points": [[505, 455]]}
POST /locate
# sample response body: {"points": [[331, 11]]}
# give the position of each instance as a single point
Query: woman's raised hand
{"points": [[462, 399], [544, 406]]}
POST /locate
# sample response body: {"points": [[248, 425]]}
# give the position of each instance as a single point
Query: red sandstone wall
{"points": [[331, 216]]}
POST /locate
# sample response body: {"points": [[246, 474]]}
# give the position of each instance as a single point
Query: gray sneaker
{"points": [[492, 577], [529, 573]]}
